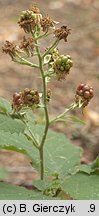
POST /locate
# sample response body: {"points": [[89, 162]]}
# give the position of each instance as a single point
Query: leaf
{"points": [[42, 184], [76, 119], [7, 123], [82, 186], [48, 187], [5, 105], [95, 164], [90, 168], [86, 168], [3, 173], [35, 128], [61, 156], [16, 142], [47, 58], [11, 192]]}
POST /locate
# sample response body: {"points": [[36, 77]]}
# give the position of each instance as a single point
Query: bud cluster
{"points": [[62, 33], [47, 22], [84, 93], [27, 98], [62, 66], [27, 45], [11, 49], [29, 19]]}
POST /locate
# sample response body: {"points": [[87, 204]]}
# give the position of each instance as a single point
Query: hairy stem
{"points": [[34, 141], [62, 115], [51, 48], [26, 62], [46, 118], [43, 35], [46, 114], [40, 59], [41, 163]]}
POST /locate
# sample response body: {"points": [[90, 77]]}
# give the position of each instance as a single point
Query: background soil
{"points": [[82, 16]]}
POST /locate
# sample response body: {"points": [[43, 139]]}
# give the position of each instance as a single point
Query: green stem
{"points": [[41, 163], [46, 114], [59, 117], [25, 62], [43, 35], [40, 58], [35, 143], [51, 48], [46, 117]]}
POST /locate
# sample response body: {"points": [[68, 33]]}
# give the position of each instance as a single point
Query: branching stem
{"points": [[62, 115], [26, 62], [51, 48], [46, 113]]}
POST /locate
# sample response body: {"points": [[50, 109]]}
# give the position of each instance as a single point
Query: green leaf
{"points": [[5, 105], [48, 187], [61, 156], [16, 142], [90, 168], [73, 118], [7, 123], [42, 184], [86, 168], [82, 186], [11, 192], [95, 164], [36, 129], [3, 173]]}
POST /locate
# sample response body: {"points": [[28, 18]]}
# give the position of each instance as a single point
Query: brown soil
{"points": [[83, 46]]}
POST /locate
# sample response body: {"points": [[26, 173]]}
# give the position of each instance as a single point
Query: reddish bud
{"points": [[80, 87], [86, 94]]}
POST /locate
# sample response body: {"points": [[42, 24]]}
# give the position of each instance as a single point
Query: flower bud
{"points": [[46, 23], [27, 98], [84, 93], [62, 33], [62, 66], [29, 20]]}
